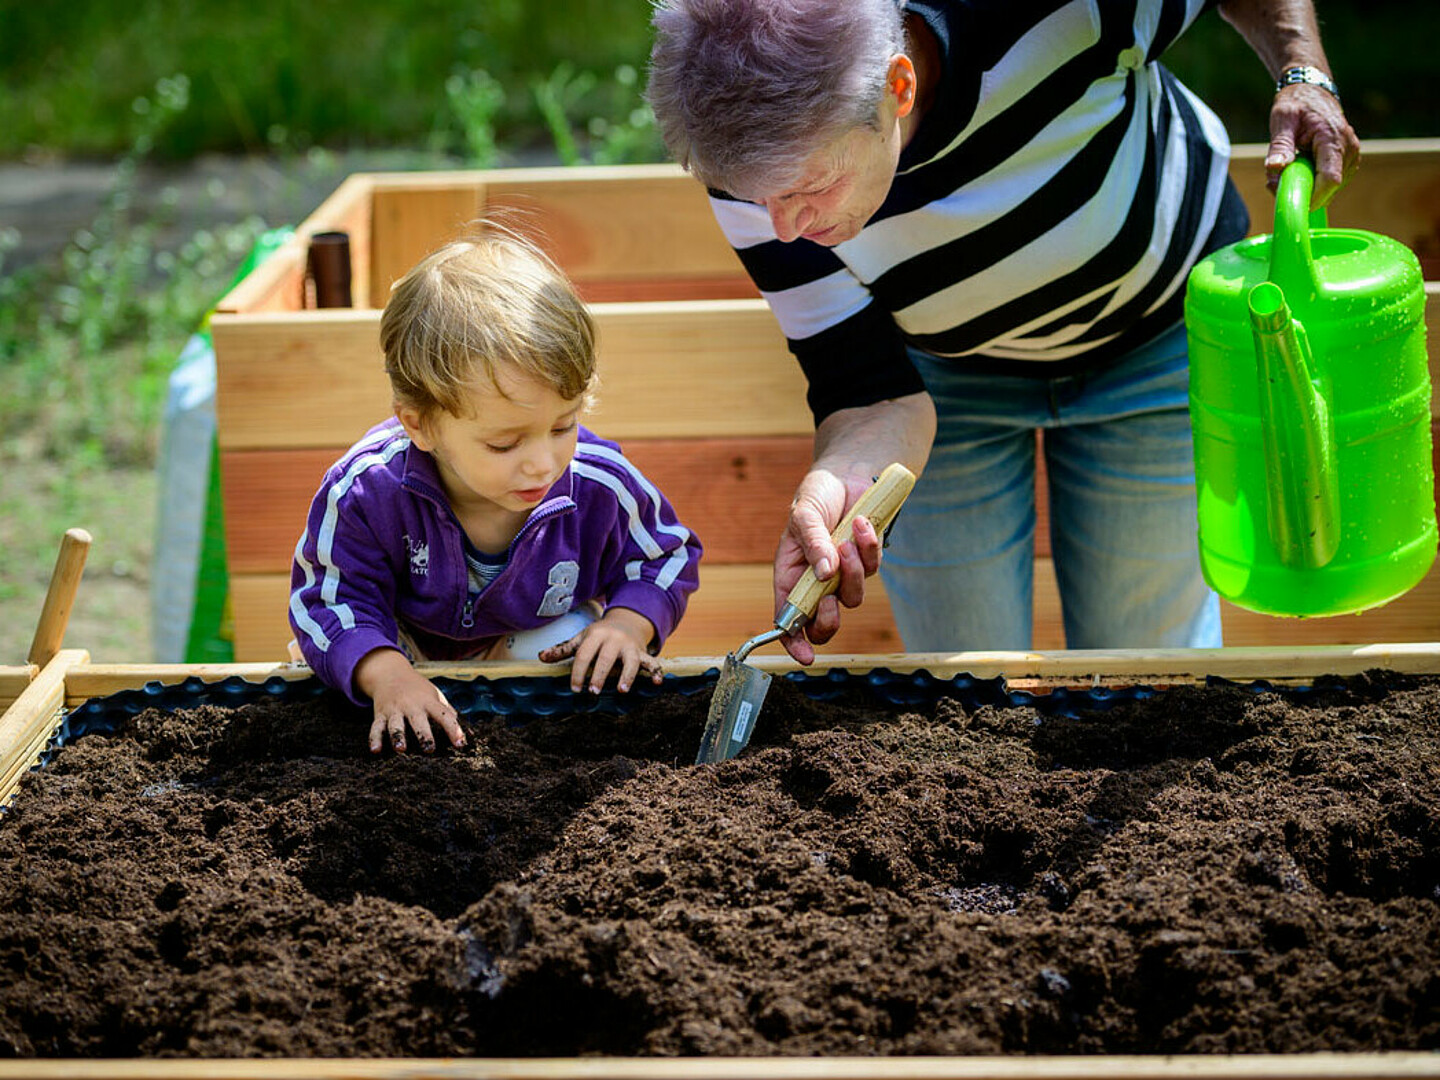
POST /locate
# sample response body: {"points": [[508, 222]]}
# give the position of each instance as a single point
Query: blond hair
{"points": [[478, 305]]}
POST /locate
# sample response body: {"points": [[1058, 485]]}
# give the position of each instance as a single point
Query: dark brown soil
{"points": [[1209, 869]]}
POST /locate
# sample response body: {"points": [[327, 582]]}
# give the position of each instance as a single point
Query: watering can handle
{"points": [[1292, 266]]}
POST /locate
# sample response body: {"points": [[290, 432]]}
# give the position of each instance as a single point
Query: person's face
{"points": [[508, 450], [844, 182]]}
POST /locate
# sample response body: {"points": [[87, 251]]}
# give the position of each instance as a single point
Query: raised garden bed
{"points": [[1207, 869]]}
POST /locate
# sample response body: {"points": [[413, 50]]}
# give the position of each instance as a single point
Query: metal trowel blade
{"points": [[739, 693]]}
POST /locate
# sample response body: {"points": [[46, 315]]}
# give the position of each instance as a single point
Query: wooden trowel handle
{"points": [[880, 503]]}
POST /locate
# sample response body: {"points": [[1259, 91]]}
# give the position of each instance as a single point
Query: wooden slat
{"points": [[276, 285], [267, 495], [1396, 192], [732, 604], [1316, 1066], [731, 287], [1076, 667], [293, 381], [731, 598], [27, 725], [668, 370], [619, 226], [734, 493], [409, 222], [13, 679], [705, 367]]}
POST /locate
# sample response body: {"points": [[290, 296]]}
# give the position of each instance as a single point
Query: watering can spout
{"points": [[1298, 433]]}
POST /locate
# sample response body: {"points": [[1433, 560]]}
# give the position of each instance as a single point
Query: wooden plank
{"points": [[13, 679], [703, 367], [32, 719], [1315, 1066], [723, 287], [1413, 617], [271, 370], [734, 493], [1074, 667], [668, 370], [735, 602], [409, 222], [267, 495], [619, 226], [732, 604], [276, 285], [1396, 192]]}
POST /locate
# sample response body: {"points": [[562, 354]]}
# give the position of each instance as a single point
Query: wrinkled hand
{"points": [[820, 502], [1308, 118], [620, 636], [403, 697]]}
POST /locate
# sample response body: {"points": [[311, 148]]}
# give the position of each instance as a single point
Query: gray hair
{"points": [[745, 91]]}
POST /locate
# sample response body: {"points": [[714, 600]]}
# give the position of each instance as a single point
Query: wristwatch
{"points": [[1312, 75]]}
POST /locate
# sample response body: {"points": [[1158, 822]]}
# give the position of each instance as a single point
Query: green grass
{"points": [[267, 75], [39, 498]]}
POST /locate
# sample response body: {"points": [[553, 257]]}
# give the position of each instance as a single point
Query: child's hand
{"points": [[619, 635], [403, 696]]}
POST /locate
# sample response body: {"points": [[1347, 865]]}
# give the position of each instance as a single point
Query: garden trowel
{"points": [[740, 690]]}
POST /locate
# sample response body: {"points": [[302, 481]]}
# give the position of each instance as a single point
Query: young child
{"points": [[482, 520]]}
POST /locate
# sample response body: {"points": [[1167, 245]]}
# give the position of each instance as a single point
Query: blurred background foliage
{"points": [[275, 75], [267, 75]]}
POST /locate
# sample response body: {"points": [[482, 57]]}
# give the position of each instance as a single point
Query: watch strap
{"points": [[1307, 74]]}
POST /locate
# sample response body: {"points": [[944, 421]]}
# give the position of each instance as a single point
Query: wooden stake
{"points": [[69, 565]]}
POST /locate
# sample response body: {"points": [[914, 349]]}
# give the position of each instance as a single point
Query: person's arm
{"points": [[852, 447], [1285, 34], [870, 405]]}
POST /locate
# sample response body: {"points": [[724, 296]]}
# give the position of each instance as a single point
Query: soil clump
{"points": [[1209, 869]]}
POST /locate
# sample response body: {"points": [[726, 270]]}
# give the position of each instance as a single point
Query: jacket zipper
{"points": [[467, 614]]}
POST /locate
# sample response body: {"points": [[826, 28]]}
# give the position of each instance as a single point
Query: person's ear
{"points": [[901, 84], [414, 425]]}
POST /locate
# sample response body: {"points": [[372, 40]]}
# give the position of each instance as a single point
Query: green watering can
{"points": [[1310, 405]]}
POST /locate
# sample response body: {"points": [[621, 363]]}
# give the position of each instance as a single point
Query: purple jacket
{"points": [[381, 544]]}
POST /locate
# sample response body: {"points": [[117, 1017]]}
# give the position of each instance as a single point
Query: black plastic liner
{"points": [[521, 697]]}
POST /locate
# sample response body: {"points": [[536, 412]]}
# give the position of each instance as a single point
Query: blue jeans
{"points": [[959, 568]]}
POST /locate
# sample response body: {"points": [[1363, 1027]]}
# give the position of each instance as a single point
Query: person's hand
{"points": [[403, 697], [620, 636], [820, 502], [1309, 118]]}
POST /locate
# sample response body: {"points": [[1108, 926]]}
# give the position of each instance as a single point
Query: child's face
{"points": [[508, 451]]}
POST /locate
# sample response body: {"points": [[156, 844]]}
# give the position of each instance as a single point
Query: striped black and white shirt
{"points": [[1042, 219]]}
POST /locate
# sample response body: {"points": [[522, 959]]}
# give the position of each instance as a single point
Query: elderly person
{"points": [[975, 220]]}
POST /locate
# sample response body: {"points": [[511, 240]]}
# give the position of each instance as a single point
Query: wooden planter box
{"points": [[697, 384], [40, 697]]}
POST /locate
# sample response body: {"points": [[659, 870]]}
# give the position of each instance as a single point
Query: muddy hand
{"points": [[617, 639]]}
